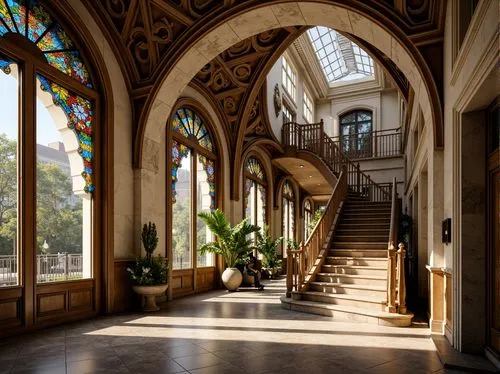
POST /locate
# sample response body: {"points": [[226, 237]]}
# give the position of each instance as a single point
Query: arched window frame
{"points": [[288, 212], [260, 183], [355, 139], [196, 150], [94, 175]]}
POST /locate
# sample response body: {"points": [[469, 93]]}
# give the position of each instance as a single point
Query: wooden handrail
{"points": [[300, 263], [312, 138]]}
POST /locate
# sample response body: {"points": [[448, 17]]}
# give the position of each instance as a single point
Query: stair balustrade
{"points": [[312, 138]]}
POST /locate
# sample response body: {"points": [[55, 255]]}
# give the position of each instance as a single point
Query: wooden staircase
{"points": [[351, 272]]}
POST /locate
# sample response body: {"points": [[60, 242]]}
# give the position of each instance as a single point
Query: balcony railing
{"points": [[383, 143], [50, 268]]}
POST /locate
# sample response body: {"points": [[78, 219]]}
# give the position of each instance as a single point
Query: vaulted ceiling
{"points": [[149, 35]]}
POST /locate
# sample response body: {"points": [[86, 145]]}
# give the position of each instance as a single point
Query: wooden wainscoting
{"points": [[448, 294], [123, 295], [65, 301], [182, 282], [11, 308], [205, 279]]}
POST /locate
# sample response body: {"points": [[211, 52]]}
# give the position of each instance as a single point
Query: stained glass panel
{"points": [[179, 151], [48, 36], [209, 167], [246, 193], [188, 124], [5, 65], [287, 190], [80, 115], [254, 168]]}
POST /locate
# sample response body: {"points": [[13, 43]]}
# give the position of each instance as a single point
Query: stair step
{"points": [[349, 289], [359, 253], [359, 245], [365, 238], [363, 226], [341, 231], [356, 261], [357, 301], [373, 280], [358, 214], [346, 313], [361, 220], [355, 269]]}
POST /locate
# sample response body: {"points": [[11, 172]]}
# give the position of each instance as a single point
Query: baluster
{"points": [[289, 272], [401, 279], [391, 280]]}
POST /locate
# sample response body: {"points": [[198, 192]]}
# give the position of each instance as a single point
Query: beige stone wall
{"points": [[124, 243]]}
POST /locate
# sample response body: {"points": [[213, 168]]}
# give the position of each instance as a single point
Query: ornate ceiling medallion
{"points": [[277, 100]]}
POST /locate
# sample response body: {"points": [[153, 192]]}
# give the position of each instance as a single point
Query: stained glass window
{"points": [[5, 65], [254, 168], [188, 124], [288, 190], [209, 167], [80, 116], [31, 20], [179, 151]]}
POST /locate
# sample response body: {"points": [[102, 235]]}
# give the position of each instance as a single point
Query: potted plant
{"points": [[267, 246], [231, 242], [149, 274]]}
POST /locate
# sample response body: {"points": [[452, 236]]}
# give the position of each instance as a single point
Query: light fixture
{"points": [[310, 176], [301, 166]]}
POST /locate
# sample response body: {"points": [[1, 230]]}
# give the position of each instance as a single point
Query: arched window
{"points": [[48, 128], [288, 206], [308, 218], [255, 195], [194, 160], [355, 133]]}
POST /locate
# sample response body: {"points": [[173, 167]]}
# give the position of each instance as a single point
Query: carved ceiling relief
{"points": [[231, 76]]}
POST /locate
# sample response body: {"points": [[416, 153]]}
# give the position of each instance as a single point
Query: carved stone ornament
{"points": [[277, 99]]}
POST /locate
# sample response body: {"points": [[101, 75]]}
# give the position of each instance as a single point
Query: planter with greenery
{"points": [[149, 273], [268, 248], [231, 242]]}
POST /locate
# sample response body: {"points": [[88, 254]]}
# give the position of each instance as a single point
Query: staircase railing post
{"points": [[302, 265], [321, 141], [358, 178], [391, 280], [289, 272], [401, 279]]}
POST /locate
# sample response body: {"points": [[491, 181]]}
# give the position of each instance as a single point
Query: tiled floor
{"points": [[221, 332]]}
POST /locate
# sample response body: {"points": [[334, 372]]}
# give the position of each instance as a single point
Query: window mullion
{"points": [[27, 183]]}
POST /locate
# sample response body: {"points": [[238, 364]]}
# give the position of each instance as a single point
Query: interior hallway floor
{"points": [[220, 332]]}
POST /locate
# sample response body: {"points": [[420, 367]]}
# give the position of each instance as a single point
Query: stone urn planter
{"points": [[232, 278], [150, 293]]}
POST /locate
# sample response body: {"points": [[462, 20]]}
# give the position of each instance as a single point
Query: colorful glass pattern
{"points": [[287, 190], [80, 115], [246, 193], [48, 36], [263, 197], [254, 168], [179, 151], [209, 167], [188, 124], [5, 65]]}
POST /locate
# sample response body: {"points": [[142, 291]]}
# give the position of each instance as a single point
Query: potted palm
{"points": [[268, 248], [149, 273], [231, 242]]}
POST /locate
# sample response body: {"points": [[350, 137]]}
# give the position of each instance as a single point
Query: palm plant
{"points": [[231, 242], [267, 246]]}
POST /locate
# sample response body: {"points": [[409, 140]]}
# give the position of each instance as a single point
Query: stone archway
{"points": [[391, 41]]}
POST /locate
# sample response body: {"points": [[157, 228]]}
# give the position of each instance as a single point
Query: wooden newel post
{"points": [[302, 264], [401, 279], [289, 272], [391, 280]]}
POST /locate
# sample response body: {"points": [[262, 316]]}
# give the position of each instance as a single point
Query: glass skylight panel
{"points": [[347, 62]]}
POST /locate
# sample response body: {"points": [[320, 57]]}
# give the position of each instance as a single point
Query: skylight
{"points": [[341, 59]]}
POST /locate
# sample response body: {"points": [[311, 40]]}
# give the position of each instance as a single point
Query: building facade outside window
{"points": [[355, 133], [194, 159], [308, 107], [289, 79]]}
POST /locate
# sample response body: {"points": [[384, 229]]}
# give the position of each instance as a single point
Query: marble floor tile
{"points": [[220, 332]]}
